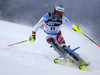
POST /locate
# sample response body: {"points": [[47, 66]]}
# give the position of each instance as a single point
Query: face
{"points": [[58, 14]]}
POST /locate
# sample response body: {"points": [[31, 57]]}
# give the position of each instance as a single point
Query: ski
{"points": [[74, 64]]}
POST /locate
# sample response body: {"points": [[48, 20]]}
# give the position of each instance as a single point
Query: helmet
{"points": [[59, 8]]}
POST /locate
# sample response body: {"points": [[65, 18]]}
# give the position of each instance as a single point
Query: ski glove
{"points": [[32, 38], [77, 28]]}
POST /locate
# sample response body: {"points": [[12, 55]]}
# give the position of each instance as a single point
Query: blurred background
{"points": [[84, 13]]}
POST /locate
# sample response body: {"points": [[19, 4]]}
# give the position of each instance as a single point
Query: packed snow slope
{"points": [[37, 58]]}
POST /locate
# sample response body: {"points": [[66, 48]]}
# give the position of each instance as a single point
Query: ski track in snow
{"points": [[37, 58]]}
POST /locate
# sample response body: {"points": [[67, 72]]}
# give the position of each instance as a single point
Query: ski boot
{"points": [[82, 64]]}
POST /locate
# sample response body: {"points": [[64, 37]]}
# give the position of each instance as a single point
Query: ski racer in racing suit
{"points": [[52, 22]]}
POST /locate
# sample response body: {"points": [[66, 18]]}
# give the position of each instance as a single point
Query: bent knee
{"points": [[50, 39]]}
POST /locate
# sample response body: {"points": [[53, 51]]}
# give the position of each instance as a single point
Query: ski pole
{"points": [[89, 38], [69, 52], [18, 43]]}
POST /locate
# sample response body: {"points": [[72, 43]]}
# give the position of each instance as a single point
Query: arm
{"points": [[38, 25], [68, 23], [32, 38]]}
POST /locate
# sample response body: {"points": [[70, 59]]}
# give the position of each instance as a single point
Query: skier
{"points": [[52, 22]]}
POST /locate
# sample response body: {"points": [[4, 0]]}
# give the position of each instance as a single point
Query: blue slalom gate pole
{"points": [[69, 52]]}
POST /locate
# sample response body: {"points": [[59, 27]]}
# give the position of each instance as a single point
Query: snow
{"points": [[37, 58]]}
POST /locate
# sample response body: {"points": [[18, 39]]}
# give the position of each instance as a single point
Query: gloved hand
{"points": [[32, 38], [77, 28]]}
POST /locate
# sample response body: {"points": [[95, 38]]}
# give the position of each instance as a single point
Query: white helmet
{"points": [[59, 8]]}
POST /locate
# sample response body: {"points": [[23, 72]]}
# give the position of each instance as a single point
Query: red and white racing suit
{"points": [[52, 27]]}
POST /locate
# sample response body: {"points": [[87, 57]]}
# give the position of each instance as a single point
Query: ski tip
{"points": [[87, 67], [57, 61]]}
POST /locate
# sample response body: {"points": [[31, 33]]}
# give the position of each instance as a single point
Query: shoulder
{"points": [[65, 19], [46, 17]]}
